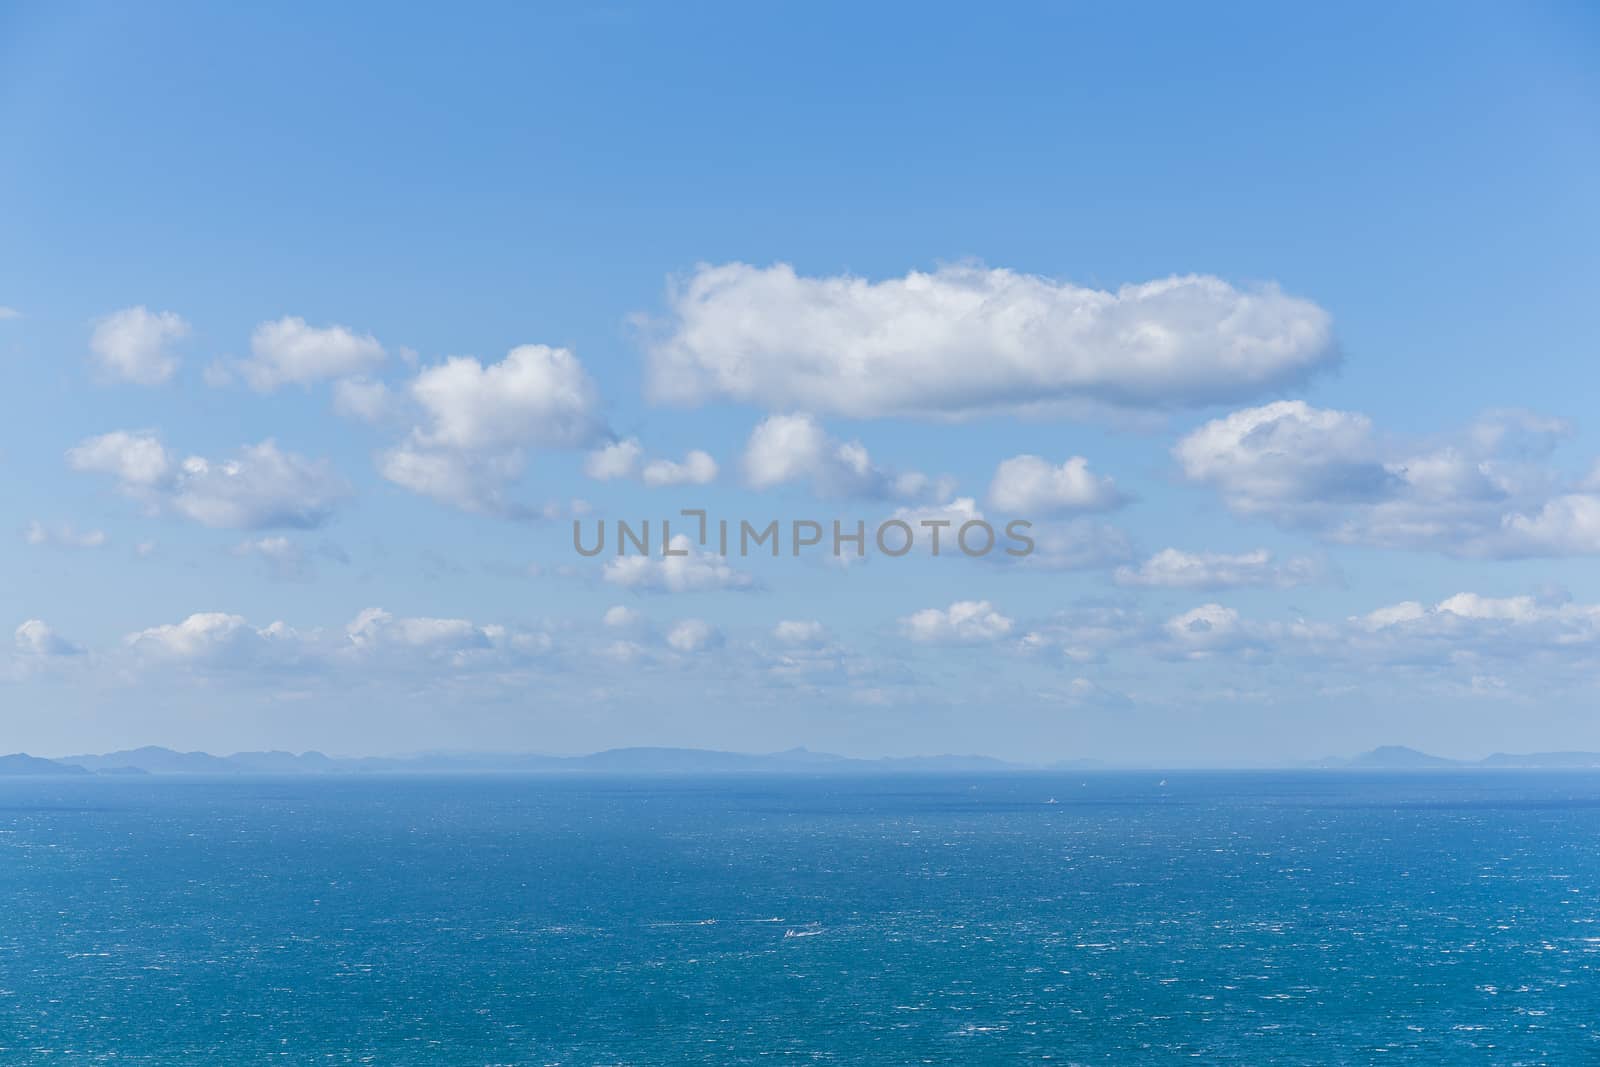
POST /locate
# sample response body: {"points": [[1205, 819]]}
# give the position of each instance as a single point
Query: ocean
{"points": [[1219, 918]]}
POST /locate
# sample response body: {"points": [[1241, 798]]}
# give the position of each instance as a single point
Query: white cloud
{"points": [[375, 646], [289, 351], [692, 635], [693, 571], [35, 640], [537, 395], [963, 622], [618, 459], [1567, 525], [1286, 458], [208, 637], [259, 488], [478, 420], [1029, 485], [136, 459], [1173, 568], [1483, 493], [470, 481], [697, 468], [9, 313], [459, 644], [795, 448], [263, 487], [1382, 618], [625, 459], [1208, 629], [965, 340], [134, 345], [62, 535], [621, 617], [375, 627]]}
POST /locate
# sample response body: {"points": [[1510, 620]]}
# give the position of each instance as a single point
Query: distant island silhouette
{"points": [[154, 760]]}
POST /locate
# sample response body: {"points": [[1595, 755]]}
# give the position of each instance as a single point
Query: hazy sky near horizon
{"points": [[320, 325]]}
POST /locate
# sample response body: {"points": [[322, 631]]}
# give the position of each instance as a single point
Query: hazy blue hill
{"points": [[1399, 757], [1390, 758], [21, 763], [661, 760], [639, 760], [1544, 760], [155, 760]]}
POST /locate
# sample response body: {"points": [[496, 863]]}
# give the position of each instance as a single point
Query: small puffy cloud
{"points": [[1172, 568], [135, 458], [620, 617], [697, 468], [1030, 485], [405, 643], [967, 340], [477, 421], [9, 313], [261, 487], [375, 627], [1567, 525], [537, 395], [289, 351], [1211, 630], [373, 647], [35, 640], [691, 571], [210, 638], [471, 481], [625, 459], [692, 635], [62, 535], [1286, 459], [1483, 493], [795, 448], [1393, 615], [618, 459], [964, 622], [135, 345]]}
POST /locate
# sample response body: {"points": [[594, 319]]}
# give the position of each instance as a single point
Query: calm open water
{"points": [[1312, 918]]}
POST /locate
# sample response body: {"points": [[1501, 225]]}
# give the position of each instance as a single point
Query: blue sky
{"points": [[1293, 310]]}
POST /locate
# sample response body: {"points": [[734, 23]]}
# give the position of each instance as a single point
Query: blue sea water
{"points": [[1315, 918]]}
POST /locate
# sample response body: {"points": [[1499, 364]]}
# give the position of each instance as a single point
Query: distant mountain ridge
{"points": [[644, 761], [20, 763], [1401, 758], [155, 760]]}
